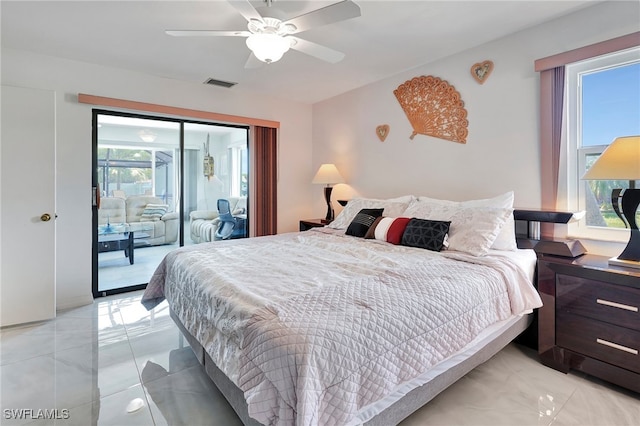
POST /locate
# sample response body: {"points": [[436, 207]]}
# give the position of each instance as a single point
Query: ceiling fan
{"points": [[270, 38]]}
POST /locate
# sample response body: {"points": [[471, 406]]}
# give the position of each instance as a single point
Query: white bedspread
{"points": [[314, 326]]}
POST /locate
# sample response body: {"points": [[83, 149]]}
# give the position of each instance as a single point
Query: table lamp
{"points": [[621, 161], [328, 174]]}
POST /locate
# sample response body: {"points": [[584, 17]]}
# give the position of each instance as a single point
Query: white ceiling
{"points": [[389, 37]]}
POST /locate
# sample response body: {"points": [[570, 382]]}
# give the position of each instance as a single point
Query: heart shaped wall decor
{"points": [[382, 131], [481, 71]]}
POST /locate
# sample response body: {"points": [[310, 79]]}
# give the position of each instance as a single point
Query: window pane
{"points": [[610, 104], [598, 199], [123, 171]]}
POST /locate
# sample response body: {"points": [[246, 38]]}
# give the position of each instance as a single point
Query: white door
{"points": [[27, 196]]}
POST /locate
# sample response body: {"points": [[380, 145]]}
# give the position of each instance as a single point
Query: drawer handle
{"points": [[616, 346], [617, 305]]}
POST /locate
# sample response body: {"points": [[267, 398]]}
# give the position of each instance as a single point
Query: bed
{"points": [[327, 327]]}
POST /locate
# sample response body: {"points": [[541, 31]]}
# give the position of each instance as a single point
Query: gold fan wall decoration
{"points": [[434, 108]]}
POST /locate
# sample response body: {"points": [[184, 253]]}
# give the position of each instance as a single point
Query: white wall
{"points": [[502, 151], [73, 121]]}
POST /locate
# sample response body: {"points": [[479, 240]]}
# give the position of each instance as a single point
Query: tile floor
{"points": [[115, 271], [95, 363]]}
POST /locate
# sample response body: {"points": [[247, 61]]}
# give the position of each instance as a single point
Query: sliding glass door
{"points": [[159, 181]]}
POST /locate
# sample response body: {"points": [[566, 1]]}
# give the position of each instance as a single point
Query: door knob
{"points": [[45, 217]]}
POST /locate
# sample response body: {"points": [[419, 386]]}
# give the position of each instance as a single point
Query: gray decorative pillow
{"points": [[363, 221], [426, 234], [153, 212]]}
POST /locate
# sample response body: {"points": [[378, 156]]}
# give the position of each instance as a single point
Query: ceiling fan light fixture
{"points": [[268, 47], [288, 28]]}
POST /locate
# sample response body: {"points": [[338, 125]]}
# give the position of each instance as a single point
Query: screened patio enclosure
{"points": [[154, 174], [123, 171]]}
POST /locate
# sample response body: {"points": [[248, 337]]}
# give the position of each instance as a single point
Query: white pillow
{"points": [[506, 239], [473, 229], [383, 227], [403, 199], [393, 207]]}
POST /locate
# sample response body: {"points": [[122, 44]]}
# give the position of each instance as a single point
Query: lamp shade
{"points": [[268, 47], [328, 174], [620, 161]]}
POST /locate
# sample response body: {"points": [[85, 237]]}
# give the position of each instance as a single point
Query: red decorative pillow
{"points": [[396, 230]]}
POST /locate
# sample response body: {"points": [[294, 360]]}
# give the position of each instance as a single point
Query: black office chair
{"points": [[227, 222]]}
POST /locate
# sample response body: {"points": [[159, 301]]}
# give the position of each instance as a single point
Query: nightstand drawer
{"points": [[614, 304], [609, 343]]}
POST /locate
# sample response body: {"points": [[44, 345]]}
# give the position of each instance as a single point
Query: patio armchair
{"points": [[204, 224]]}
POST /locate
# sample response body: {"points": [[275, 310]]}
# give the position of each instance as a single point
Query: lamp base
{"points": [[327, 197], [616, 261], [630, 256]]}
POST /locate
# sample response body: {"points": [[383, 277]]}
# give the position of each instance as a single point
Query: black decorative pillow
{"points": [[363, 221], [426, 234]]}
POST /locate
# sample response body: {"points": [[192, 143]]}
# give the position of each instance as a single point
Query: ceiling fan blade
{"points": [[316, 50], [336, 12], [207, 33], [253, 62], [246, 9]]}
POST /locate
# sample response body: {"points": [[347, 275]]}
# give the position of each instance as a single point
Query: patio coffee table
{"points": [[118, 237]]}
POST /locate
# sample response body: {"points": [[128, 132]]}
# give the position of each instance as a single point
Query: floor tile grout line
{"points": [[133, 358], [575, 389], [135, 362]]}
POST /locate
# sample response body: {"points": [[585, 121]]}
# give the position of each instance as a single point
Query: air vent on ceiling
{"points": [[221, 83]]}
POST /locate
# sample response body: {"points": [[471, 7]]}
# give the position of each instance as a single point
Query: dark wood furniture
{"points": [[117, 241], [124, 240], [531, 238], [590, 320], [307, 224]]}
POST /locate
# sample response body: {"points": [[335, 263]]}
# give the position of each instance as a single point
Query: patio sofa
{"points": [[161, 228], [204, 223]]}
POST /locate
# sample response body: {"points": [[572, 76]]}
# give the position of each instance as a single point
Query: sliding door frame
{"points": [[94, 183]]}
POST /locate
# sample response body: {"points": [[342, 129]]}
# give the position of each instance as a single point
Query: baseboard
{"points": [[74, 302]]}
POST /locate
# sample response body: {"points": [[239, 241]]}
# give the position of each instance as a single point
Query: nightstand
{"points": [[307, 224], [590, 320]]}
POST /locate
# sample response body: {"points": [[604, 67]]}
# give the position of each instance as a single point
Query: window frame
{"points": [[235, 159], [575, 153]]}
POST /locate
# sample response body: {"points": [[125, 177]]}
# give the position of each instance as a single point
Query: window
{"points": [[239, 170], [603, 103], [124, 171]]}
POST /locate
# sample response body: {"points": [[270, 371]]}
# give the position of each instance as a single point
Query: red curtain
{"points": [[266, 180]]}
